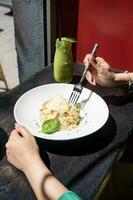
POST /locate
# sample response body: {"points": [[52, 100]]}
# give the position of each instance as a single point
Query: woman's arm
{"points": [[126, 77], [101, 73], [23, 153], [44, 184]]}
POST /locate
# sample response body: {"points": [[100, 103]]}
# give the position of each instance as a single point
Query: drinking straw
{"points": [[59, 20]]}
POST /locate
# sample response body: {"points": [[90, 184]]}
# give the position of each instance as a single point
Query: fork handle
{"points": [[93, 53]]}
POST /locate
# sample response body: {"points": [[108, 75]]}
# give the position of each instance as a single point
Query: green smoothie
{"points": [[63, 61]]}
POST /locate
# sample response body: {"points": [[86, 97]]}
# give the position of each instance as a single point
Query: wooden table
{"points": [[83, 166]]}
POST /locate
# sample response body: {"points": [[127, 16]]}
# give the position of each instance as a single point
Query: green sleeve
{"points": [[69, 196]]}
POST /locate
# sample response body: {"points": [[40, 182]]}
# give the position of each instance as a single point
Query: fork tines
{"points": [[75, 94], [78, 87]]}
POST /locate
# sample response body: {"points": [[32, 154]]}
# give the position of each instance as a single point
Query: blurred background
{"points": [[8, 57], [108, 23]]}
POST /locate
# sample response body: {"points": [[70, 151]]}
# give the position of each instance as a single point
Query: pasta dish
{"points": [[59, 108]]}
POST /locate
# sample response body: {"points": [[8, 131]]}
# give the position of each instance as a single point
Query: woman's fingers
{"points": [[96, 62], [14, 134], [90, 78], [99, 60], [12, 139], [89, 59], [101, 63], [22, 130], [25, 134]]}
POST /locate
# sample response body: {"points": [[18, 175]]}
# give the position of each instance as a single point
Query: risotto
{"points": [[59, 108]]}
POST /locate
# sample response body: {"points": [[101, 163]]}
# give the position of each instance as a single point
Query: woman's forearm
{"points": [[124, 78], [44, 184]]}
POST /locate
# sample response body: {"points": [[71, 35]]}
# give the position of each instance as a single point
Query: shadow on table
{"points": [[3, 141], [120, 99], [84, 145]]}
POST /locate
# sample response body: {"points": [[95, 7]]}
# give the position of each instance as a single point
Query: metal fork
{"points": [[78, 87]]}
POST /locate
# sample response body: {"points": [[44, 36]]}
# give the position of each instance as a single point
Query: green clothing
{"points": [[69, 196]]}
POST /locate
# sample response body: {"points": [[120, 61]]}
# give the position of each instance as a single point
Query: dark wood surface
{"points": [[12, 180]]}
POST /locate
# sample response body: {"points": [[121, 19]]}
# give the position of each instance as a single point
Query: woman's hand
{"points": [[22, 149], [23, 153], [99, 71]]}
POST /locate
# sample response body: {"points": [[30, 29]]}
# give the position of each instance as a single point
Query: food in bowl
{"points": [[56, 114]]}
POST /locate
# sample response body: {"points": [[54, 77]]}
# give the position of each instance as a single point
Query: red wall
{"points": [[109, 23]]}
